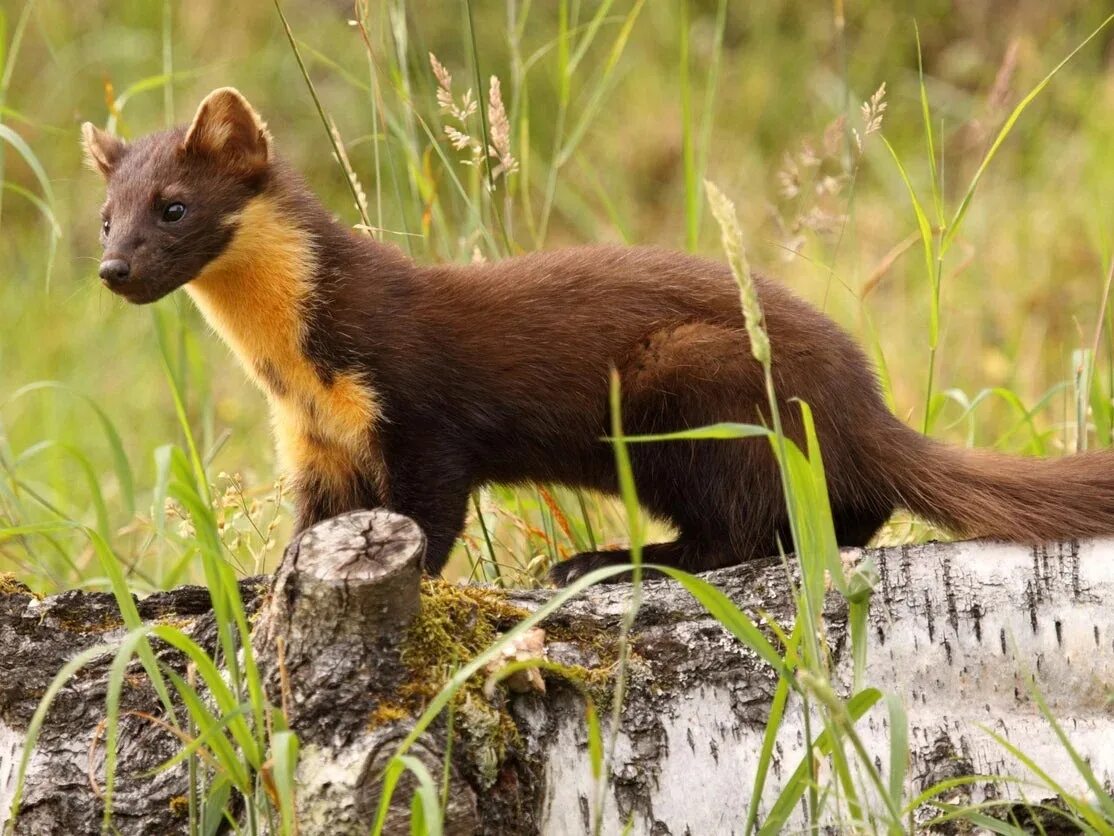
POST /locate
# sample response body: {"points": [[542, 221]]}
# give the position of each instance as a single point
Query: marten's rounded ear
{"points": [[228, 130], [102, 150]]}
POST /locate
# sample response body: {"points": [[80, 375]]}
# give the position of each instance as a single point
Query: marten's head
{"points": [[175, 198]]}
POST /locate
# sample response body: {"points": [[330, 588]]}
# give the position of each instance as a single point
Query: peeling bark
{"points": [[953, 628], [37, 638]]}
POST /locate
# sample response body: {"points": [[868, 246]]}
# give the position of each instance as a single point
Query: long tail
{"points": [[976, 493]]}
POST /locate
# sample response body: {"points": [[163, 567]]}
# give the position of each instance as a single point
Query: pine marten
{"points": [[403, 385]]}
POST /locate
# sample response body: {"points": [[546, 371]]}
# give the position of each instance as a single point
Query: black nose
{"points": [[114, 270]]}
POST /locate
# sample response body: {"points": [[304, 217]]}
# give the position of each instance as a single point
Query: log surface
{"points": [[954, 628]]}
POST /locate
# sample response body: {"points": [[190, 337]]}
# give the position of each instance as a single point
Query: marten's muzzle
{"points": [[114, 272]]}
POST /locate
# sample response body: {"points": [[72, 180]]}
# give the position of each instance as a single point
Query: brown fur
{"points": [[406, 385]]}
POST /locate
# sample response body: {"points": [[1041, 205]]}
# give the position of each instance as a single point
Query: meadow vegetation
{"points": [[885, 161], [613, 115]]}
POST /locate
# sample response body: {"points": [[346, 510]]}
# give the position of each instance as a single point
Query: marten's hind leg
{"points": [[723, 496], [678, 554], [722, 516]]}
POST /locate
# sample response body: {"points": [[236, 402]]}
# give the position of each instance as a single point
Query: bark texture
{"points": [[339, 631]]}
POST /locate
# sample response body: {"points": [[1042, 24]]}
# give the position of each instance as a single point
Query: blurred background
{"points": [[614, 114]]}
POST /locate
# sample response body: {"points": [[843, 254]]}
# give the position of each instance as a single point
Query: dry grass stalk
{"points": [[812, 180], [462, 110]]}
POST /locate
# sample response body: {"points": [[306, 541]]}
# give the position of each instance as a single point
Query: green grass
{"points": [[119, 427], [613, 140]]}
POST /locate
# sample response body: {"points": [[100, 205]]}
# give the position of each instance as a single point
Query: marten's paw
{"points": [[580, 565]]}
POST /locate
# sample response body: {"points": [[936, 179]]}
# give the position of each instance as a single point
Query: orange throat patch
{"points": [[255, 296]]}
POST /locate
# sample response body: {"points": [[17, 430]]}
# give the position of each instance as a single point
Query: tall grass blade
{"points": [[168, 63], [769, 738], [724, 610], [799, 781], [595, 739], [285, 749], [485, 129], [928, 795], [595, 100], [325, 121], [626, 482], [1101, 793], [161, 81], [120, 463], [9, 53], [899, 750], [925, 229], [930, 144], [628, 493], [20, 145], [688, 150], [128, 648], [77, 455], [427, 800], [961, 212], [708, 114], [1092, 817], [988, 823], [213, 813]]}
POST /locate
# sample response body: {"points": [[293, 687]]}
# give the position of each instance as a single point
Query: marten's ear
{"points": [[227, 129], [102, 150]]}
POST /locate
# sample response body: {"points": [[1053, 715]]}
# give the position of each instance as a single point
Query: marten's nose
{"points": [[114, 270]]}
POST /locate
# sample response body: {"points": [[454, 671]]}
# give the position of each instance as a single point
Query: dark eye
{"points": [[106, 225], [174, 212]]}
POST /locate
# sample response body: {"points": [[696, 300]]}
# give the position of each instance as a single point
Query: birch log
{"points": [[955, 628]]}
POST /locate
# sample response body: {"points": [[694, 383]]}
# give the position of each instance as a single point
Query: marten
{"points": [[404, 385]]}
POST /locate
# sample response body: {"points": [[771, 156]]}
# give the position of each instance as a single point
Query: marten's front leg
{"points": [[424, 487], [440, 513], [433, 491], [321, 495]]}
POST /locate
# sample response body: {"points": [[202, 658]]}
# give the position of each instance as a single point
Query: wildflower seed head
{"points": [[458, 139], [873, 110], [500, 132], [833, 136], [445, 99]]}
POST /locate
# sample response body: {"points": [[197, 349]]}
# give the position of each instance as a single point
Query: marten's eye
{"points": [[174, 212], [106, 225]]}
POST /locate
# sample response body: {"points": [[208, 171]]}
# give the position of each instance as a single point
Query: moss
{"points": [[9, 585], [598, 682], [387, 712], [602, 646], [83, 626], [179, 806], [454, 624], [178, 622]]}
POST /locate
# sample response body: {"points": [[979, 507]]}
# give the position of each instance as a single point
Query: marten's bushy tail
{"points": [[977, 493]]}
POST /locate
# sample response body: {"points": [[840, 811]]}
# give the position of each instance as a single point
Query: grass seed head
{"points": [[724, 211]]}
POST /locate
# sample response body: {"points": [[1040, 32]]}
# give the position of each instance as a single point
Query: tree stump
{"points": [[344, 594], [330, 641]]}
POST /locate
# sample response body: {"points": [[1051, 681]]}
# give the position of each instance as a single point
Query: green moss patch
{"points": [[9, 585], [455, 624]]}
